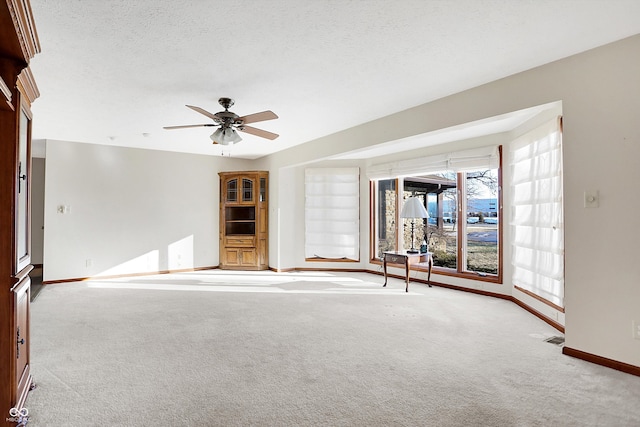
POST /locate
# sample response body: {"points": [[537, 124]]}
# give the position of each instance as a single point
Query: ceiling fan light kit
{"points": [[229, 123], [226, 136]]}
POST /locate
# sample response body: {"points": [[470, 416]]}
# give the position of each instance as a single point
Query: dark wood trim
{"points": [[28, 87], [500, 218], [373, 201], [539, 298], [25, 28], [6, 92], [546, 319], [398, 220], [282, 270], [603, 361], [461, 218], [346, 270], [187, 270], [119, 276], [22, 274], [442, 271], [372, 219]]}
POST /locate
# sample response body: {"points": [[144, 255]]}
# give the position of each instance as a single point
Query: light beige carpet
{"points": [[220, 348]]}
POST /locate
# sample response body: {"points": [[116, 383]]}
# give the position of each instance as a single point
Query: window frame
{"points": [[460, 270]]}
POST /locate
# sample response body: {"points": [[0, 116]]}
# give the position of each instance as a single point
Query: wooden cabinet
{"points": [[18, 44], [244, 227]]}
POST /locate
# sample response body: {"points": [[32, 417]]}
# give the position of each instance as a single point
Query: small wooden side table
{"points": [[405, 258]]}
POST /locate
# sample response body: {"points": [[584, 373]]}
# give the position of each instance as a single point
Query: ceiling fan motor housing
{"points": [[226, 102], [227, 118]]}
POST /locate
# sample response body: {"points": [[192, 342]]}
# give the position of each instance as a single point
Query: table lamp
{"points": [[412, 209]]}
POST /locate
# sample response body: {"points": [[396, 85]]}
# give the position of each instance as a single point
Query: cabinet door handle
{"points": [[19, 341], [21, 177]]}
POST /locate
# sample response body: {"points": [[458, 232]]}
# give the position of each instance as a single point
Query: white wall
{"points": [[37, 210], [129, 210], [600, 95]]}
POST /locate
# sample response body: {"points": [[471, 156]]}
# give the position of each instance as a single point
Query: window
{"points": [[386, 196], [439, 195], [537, 213], [481, 225], [461, 193], [332, 214]]}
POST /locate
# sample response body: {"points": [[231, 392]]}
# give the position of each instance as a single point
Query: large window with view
{"points": [[462, 230]]}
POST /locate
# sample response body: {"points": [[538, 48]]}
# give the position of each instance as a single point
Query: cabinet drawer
{"points": [[394, 259], [239, 241]]}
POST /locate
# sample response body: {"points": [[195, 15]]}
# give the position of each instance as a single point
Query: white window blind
{"points": [[331, 213], [457, 161], [537, 212]]}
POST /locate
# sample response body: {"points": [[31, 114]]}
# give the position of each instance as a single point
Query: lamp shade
{"points": [[225, 136], [413, 208], [232, 135], [216, 137]]}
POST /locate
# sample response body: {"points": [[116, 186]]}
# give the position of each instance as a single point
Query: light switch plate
{"points": [[591, 199]]}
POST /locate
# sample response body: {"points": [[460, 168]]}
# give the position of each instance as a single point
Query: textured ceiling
{"points": [[115, 72]]}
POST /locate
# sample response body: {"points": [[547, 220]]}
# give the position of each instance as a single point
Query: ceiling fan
{"points": [[229, 122]]}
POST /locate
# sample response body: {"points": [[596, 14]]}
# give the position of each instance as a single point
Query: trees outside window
{"points": [[481, 226]]}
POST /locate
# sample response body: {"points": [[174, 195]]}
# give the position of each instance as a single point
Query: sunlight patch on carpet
{"points": [[242, 288]]}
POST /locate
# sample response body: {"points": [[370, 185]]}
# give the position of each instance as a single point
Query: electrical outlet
{"points": [[636, 329], [88, 262]]}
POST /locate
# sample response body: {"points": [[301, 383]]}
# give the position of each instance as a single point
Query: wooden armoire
{"points": [[18, 44], [244, 227]]}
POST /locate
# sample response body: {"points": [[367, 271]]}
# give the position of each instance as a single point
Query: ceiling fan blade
{"points": [[188, 126], [258, 132], [257, 117], [203, 111]]}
